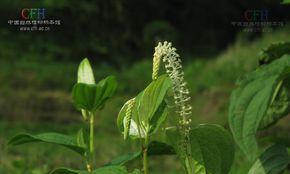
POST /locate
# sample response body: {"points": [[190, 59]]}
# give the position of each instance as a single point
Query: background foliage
{"points": [[38, 70], [119, 31]]}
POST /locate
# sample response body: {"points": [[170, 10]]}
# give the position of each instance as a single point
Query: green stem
{"points": [[145, 155], [188, 158], [91, 147], [188, 165]]}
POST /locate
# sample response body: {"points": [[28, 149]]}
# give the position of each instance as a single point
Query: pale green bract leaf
{"points": [[85, 72], [134, 131], [212, 148], [149, 110], [274, 160], [91, 97], [250, 101], [102, 170], [54, 138]]}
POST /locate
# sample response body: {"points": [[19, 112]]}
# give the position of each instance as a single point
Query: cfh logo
{"points": [[33, 13], [256, 15]]}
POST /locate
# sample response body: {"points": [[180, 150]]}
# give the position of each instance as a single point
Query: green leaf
{"points": [[110, 85], [136, 171], [280, 106], [273, 52], [160, 148], [121, 116], [212, 148], [85, 72], [123, 159], [274, 160], [158, 118], [149, 110], [81, 138], [102, 170], [111, 170], [250, 102], [91, 97], [286, 2], [174, 139], [54, 138], [150, 99], [154, 148], [64, 170], [278, 109]]}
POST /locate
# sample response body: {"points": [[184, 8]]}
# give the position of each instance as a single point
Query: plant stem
{"points": [[188, 165], [186, 150], [145, 155], [91, 147]]}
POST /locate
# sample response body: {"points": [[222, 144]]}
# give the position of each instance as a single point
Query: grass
{"points": [[35, 97]]}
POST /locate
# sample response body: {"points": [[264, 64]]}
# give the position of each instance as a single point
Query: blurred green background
{"points": [[38, 69]]}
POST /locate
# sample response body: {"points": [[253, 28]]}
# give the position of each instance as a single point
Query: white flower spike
{"points": [[173, 67]]}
